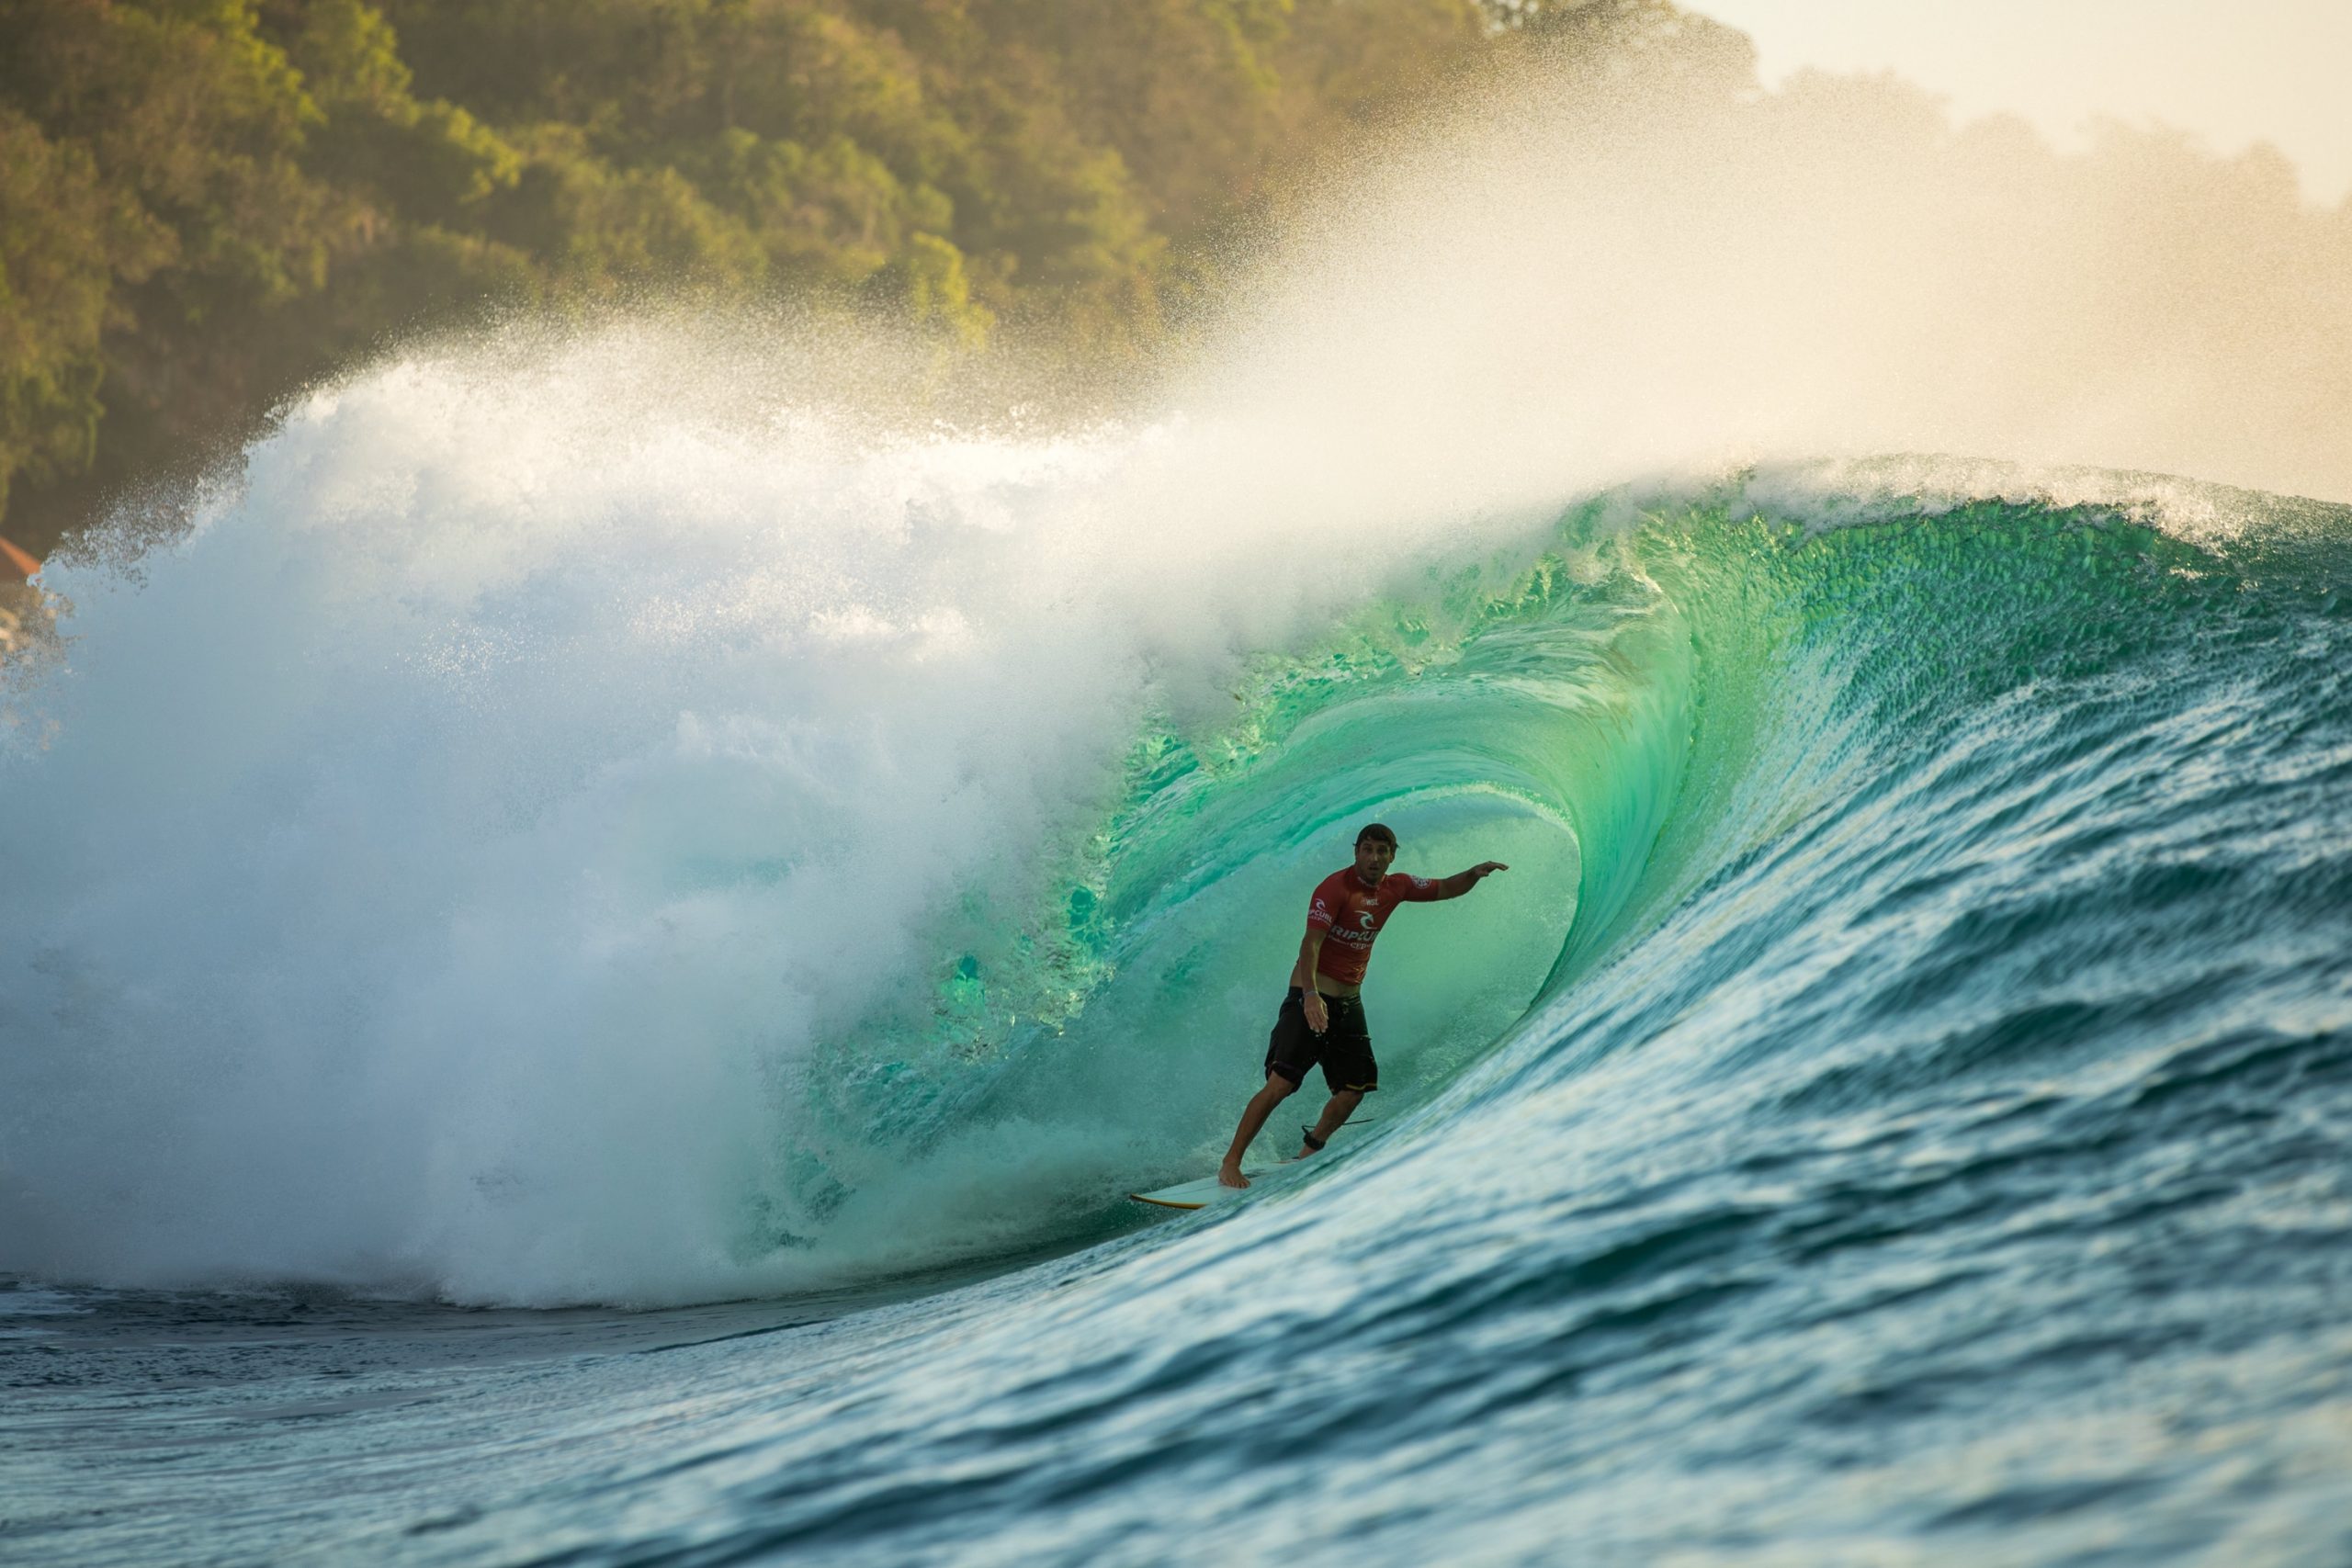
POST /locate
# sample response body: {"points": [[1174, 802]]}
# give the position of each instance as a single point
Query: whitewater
{"points": [[597, 925]]}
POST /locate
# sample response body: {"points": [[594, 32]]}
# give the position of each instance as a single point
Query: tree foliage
{"points": [[203, 202]]}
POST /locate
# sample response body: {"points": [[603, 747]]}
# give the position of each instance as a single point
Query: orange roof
{"points": [[17, 562]]}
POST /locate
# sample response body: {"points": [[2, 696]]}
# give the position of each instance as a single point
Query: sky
{"points": [[2234, 74]]}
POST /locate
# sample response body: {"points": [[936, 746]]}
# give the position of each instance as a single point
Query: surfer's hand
{"points": [[1478, 873], [1319, 1018]]}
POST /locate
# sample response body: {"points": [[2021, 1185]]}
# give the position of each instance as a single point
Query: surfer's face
{"points": [[1373, 858]]}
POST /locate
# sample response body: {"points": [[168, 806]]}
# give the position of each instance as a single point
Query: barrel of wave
{"points": [[1449, 979], [1197, 990], [1143, 1086]]}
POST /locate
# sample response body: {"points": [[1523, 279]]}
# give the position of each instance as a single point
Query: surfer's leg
{"points": [[1253, 1119], [1342, 1106], [1349, 1071], [1290, 1051]]}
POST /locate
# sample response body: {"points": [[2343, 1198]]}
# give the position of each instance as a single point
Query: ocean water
{"points": [[583, 986]]}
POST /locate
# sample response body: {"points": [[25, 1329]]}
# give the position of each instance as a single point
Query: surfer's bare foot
{"points": [[1230, 1175]]}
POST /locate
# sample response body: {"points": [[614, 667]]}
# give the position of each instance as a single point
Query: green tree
{"points": [[204, 202]]}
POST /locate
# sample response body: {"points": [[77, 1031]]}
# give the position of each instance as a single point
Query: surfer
{"points": [[1322, 1018]]}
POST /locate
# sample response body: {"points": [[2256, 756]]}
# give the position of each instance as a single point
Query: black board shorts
{"points": [[1345, 1049]]}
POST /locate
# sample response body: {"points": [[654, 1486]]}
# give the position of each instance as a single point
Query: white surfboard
{"points": [[1208, 1189]]}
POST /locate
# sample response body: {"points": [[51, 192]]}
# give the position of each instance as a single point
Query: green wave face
{"points": [[1657, 697]]}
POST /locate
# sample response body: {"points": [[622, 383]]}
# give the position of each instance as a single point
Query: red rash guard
{"points": [[1350, 915]]}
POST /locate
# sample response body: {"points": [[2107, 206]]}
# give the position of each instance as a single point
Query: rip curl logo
{"points": [[1365, 920], [1420, 883]]}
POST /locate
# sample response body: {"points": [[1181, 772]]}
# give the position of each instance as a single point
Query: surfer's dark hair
{"points": [[1376, 830]]}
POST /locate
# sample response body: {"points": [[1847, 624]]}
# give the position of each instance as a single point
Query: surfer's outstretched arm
{"points": [[1460, 881]]}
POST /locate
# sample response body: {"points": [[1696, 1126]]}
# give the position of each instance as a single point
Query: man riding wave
{"points": [[1322, 1018]]}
